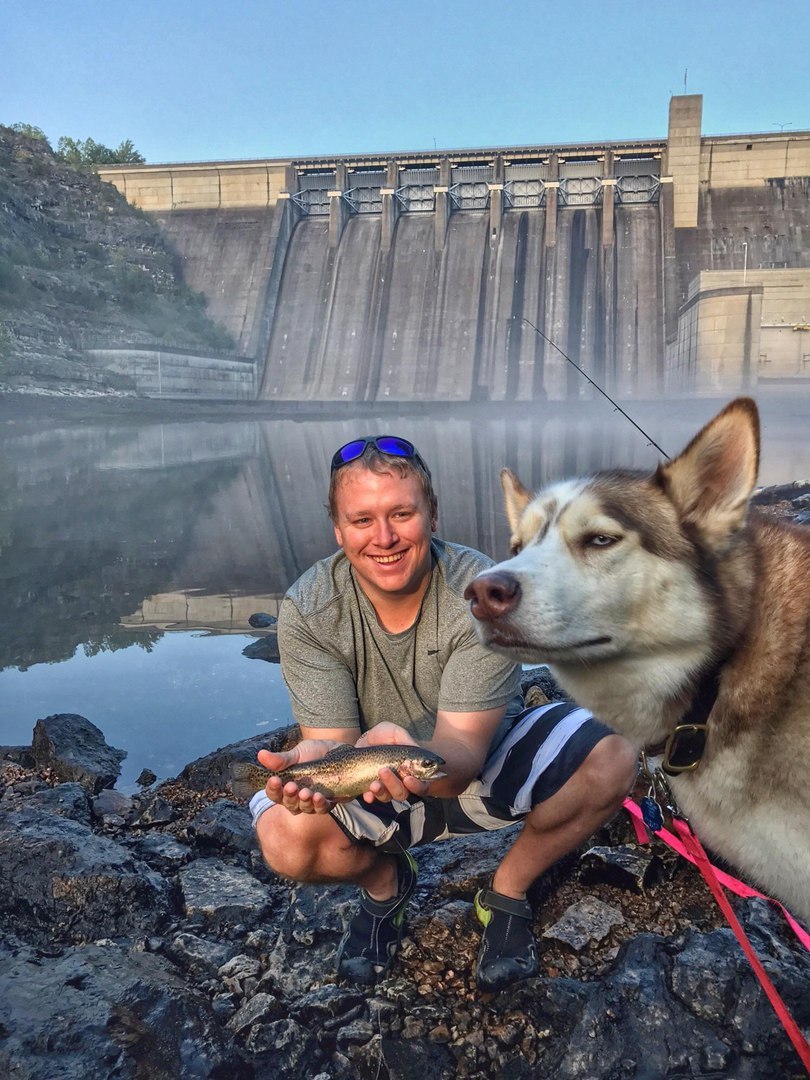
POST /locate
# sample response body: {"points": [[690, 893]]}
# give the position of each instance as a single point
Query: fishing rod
{"points": [[596, 386]]}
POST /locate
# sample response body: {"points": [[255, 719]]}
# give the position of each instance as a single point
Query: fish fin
{"points": [[246, 779], [338, 752], [243, 789]]}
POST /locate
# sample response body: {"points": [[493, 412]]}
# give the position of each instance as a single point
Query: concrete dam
{"points": [[679, 265]]}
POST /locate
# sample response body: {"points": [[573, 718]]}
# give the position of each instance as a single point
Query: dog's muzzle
{"points": [[492, 595]]}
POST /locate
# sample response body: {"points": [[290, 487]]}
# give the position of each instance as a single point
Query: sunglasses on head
{"points": [[386, 444]]}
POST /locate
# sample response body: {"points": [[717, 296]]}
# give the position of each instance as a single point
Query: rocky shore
{"points": [[142, 936]]}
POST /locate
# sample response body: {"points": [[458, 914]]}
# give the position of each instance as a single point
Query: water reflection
{"points": [[113, 535]]}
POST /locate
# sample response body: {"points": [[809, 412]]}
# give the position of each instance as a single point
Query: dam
{"points": [[672, 266]]}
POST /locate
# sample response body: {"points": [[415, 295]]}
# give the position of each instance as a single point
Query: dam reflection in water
{"points": [[133, 554]]}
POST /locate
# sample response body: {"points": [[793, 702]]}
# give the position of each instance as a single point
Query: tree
{"points": [[31, 132], [88, 152]]}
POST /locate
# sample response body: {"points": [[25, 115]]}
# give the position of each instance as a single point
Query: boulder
{"points": [[108, 1011], [218, 895], [76, 750], [213, 771], [63, 883], [223, 826]]}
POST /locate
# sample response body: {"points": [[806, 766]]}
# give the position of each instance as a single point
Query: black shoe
{"points": [[367, 948], [508, 951]]}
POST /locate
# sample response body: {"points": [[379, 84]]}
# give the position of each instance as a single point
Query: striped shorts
{"points": [[541, 751]]}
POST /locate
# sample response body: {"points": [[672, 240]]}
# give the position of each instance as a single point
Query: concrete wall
{"points": [[430, 306], [215, 186], [171, 374], [355, 323], [740, 329]]}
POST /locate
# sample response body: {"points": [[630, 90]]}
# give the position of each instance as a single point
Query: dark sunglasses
{"points": [[386, 444]]}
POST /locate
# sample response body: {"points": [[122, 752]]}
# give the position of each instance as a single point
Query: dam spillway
{"points": [[677, 265]]}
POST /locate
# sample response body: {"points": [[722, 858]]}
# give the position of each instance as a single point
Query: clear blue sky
{"points": [[191, 80]]}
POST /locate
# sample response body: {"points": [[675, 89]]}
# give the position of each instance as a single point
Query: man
{"points": [[377, 647]]}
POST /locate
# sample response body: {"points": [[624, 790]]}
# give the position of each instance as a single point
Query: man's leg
{"points": [[314, 848], [553, 828], [579, 777]]}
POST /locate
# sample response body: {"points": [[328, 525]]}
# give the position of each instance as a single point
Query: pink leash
{"points": [[691, 848]]}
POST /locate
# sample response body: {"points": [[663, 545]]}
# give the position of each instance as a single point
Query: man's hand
{"points": [[390, 785], [297, 800]]}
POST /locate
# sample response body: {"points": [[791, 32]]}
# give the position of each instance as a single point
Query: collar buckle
{"points": [[684, 748]]}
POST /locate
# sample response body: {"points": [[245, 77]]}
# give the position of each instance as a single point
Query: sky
{"points": [[194, 80]]}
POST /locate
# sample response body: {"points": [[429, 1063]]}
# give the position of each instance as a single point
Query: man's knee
{"points": [[610, 770], [291, 844]]}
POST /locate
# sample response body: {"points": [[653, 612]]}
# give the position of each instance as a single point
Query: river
{"points": [[133, 551]]}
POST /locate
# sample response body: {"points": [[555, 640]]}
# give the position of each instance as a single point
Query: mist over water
{"points": [[133, 553]]}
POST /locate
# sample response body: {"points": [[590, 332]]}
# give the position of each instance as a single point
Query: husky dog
{"points": [[663, 600]]}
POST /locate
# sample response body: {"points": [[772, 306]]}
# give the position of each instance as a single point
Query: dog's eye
{"points": [[600, 540], [515, 547]]}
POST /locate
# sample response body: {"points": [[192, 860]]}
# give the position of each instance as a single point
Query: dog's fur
{"points": [[631, 587]]}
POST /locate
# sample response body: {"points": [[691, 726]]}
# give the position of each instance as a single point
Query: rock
{"points": [[146, 778], [106, 1011], [66, 800], [224, 824], [219, 896], [240, 974], [260, 620], [75, 750], [63, 883], [155, 811], [195, 953], [626, 866], [21, 755], [327, 1006], [111, 806], [266, 648], [542, 677], [162, 851], [212, 772], [584, 922], [261, 1007], [290, 1048]]}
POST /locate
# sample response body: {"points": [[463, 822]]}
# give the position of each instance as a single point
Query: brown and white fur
{"points": [[631, 586]]}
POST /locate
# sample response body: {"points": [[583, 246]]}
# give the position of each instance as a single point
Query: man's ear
{"points": [[338, 535]]}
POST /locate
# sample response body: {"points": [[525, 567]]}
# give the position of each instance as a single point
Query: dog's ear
{"points": [[516, 497], [711, 482]]}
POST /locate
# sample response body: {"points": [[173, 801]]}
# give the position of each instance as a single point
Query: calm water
{"points": [[133, 554]]}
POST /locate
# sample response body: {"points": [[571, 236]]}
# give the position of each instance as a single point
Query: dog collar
{"points": [[684, 748]]}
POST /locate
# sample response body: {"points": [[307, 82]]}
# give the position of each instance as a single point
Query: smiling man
{"points": [[377, 648]]}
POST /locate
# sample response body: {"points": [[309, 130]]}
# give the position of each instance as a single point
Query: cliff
{"points": [[80, 267]]}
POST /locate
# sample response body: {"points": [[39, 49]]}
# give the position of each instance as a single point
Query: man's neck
{"points": [[397, 612]]}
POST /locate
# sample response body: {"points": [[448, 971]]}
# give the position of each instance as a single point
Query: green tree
{"points": [[31, 132], [88, 152]]}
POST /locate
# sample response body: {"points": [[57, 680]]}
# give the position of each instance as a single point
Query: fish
{"points": [[344, 773]]}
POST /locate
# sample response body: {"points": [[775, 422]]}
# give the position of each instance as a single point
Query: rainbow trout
{"points": [[344, 773]]}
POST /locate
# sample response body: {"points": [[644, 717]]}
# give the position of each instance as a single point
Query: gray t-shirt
{"points": [[343, 669]]}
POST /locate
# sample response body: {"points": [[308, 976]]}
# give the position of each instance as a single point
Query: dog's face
{"points": [[600, 569], [622, 566]]}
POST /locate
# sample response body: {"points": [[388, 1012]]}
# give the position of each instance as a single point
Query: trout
{"points": [[344, 773]]}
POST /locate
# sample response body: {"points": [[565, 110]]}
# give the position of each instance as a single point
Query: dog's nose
{"points": [[492, 595]]}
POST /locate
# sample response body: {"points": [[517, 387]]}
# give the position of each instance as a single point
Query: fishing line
{"points": [[596, 386]]}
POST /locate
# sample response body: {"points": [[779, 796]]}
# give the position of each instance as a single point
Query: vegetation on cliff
{"points": [[80, 267]]}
